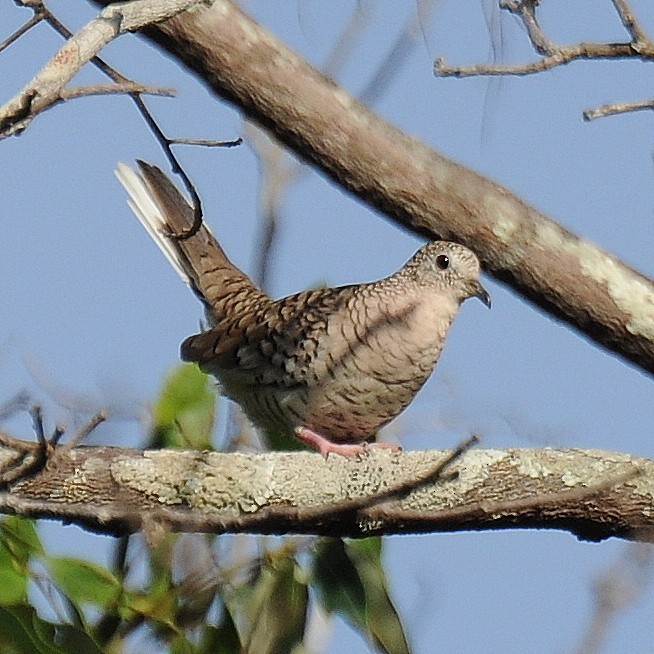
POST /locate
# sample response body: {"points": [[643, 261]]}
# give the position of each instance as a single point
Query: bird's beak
{"points": [[479, 291]]}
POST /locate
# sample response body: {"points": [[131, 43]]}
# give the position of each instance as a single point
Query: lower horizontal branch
{"points": [[591, 493]]}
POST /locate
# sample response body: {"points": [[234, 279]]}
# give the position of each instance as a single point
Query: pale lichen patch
{"points": [[343, 98], [507, 226], [505, 220], [533, 467], [630, 294], [475, 464], [569, 478]]}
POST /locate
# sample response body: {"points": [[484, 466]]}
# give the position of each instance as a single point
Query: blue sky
{"points": [[92, 315]]}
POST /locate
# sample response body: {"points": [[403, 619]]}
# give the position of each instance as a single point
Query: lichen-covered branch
{"points": [[591, 493]]}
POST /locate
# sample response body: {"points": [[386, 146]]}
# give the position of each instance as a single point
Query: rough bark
{"points": [[591, 493]]}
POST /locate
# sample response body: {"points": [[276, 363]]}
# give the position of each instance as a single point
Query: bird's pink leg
{"points": [[325, 446]]}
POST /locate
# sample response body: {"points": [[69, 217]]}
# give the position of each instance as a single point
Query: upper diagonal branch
{"points": [[415, 186]]}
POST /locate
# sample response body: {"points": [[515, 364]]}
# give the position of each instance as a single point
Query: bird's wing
{"points": [[276, 345]]}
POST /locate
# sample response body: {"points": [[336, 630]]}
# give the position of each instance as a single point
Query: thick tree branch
{"points": [[565, 275], [593, 494]]}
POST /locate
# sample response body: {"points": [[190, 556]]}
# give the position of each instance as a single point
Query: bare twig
{"points": [[23, 29], [206, 142], [640, 46], [28, 458], [45, 89], [82, 433], [618, 108], [37, 422], [48, 87], [113, 89], [631, 24], [557, 57], [20, 402]]}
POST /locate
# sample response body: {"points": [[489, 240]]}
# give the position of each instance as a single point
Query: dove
{"points": [[331, 366]]}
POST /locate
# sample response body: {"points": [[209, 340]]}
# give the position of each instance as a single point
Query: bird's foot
{"points": [[325, 446]]}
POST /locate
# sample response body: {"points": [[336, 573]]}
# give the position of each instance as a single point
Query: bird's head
{"points": [[451, 267]]}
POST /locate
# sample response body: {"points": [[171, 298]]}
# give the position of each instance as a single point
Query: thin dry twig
{"points": [[552, 54], [37, 422], [209, 143], [30, 458], [612, 109], [115, 89], [48, 87], [26, 27], [20, 402], [82, 433], [44, 90], [631, 24], [13, 120]]}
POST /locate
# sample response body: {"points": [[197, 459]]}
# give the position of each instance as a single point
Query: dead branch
{"points": [[593, 494], [48, 86], [640, 46]]}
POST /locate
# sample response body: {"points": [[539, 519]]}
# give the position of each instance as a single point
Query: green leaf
{"points": [[21, 533], [185, 411], [23, 632], [276, 616], [18, 634], [350, 580], [222, 639], [382, 619], [18, 543], [83, 582], [181, 645], [339, 587], [13, 585], [159, 608], [73, 639]]}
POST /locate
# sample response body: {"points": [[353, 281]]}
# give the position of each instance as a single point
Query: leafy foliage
{"points": [[351, 581], [184, 414], [258, 598]]}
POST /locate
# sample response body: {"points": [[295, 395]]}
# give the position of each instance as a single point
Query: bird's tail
{"points": [[198, 259]]}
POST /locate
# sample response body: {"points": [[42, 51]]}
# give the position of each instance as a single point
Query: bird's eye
{"points": [[442, 261]]}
